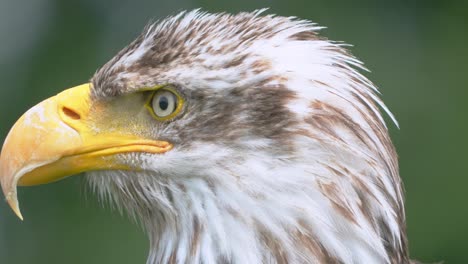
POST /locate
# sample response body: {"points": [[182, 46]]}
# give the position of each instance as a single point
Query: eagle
{"points": [[232, 138]]}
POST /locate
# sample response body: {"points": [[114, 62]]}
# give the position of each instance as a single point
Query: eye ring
{"points": [[164, 103]]}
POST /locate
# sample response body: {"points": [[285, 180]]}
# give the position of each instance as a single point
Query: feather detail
{"points": [[281, 154]]}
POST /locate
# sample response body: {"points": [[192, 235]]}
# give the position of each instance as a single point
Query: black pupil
{"points": [[163, 103]]}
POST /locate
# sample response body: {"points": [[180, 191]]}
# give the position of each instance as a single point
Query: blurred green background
{"points": [[417, 52]]}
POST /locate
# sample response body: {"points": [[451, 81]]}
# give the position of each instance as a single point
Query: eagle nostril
{"points": [[71, 113]]}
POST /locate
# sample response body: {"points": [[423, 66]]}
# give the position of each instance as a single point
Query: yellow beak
{"points": [[57, 138]]}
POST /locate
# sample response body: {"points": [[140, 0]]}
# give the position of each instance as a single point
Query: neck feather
{"points": [[290, 211]]}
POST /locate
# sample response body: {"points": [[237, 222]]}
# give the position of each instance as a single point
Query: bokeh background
{"points": [[417, 52]]}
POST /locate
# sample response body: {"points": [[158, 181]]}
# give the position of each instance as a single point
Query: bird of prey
{"points": [[233, 138]]}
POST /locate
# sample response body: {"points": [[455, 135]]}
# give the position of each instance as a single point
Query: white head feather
{"points": [[282, 157]]}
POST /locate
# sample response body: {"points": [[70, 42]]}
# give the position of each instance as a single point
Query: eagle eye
{"points": [[165, 103]]}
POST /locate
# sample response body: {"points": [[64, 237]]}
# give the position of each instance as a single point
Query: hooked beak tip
{"points": [[13, 202]]}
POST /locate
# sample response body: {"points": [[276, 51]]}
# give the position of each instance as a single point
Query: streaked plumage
{"points": [[281, 156]]}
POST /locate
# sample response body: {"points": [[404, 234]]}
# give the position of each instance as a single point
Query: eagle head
{"points": [[242, 138]]}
